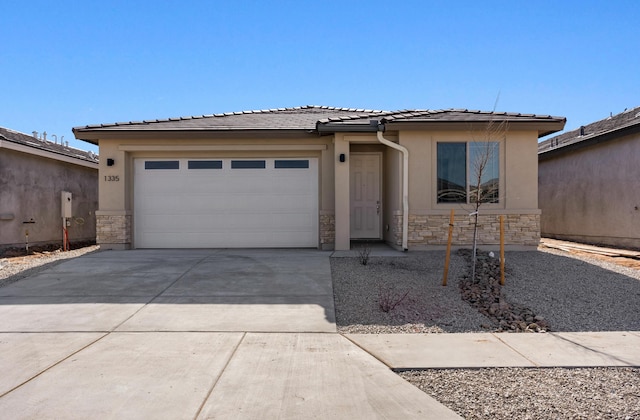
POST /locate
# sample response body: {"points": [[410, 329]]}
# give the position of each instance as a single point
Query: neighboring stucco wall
{"points": [[30, 188], [591, 194]]}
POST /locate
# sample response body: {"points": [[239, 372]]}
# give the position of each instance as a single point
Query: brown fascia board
{"points": [[94, 135], [589, 141], [544, 128]]}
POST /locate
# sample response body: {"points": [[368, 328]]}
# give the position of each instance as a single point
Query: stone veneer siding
{"points": [[519, 229], [113, 230], [327, 229]]}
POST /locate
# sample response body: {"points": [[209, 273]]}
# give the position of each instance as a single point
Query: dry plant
{"points": [[363, 253], [388, 299]]}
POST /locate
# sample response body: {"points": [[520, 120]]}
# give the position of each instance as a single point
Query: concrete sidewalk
{"points": [[482, 350]]}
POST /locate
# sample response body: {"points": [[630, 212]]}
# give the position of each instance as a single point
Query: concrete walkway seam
{"points": [[560, 336], [213, 386], [161, 292], [497, 336], [55, 364], [368, 352]]}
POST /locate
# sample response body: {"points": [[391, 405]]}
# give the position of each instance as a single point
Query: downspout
{"points": [[405, 183]]}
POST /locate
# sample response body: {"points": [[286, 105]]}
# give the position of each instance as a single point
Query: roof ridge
{"points": [[228, 114]]}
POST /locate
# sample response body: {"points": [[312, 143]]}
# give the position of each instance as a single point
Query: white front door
{"points": [[366, 207]]}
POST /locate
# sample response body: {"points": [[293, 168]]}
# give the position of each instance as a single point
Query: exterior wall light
{"points": [[110, 162], [342, 157]]}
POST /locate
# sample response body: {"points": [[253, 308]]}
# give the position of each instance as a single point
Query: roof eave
{"points": [[589, 141], [543, 127], [94, 135], [338, 127]]}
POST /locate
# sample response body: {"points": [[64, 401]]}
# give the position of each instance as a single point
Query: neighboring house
{"points": [[33, 174], [312, 176], [589, 182]]}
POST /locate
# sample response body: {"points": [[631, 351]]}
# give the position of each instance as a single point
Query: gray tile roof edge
{"points": [[620, 122], [26, 140]]}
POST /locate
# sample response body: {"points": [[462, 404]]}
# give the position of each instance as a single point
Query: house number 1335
{"points": [[112, 178]]}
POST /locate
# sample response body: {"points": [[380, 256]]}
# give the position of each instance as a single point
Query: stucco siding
{"points": [[30, 188], [592, 194]]}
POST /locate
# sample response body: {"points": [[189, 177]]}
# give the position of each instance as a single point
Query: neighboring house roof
{"points": [[15, 140], [312, 119], [613, 127]]}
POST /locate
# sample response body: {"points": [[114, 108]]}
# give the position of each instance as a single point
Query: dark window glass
{"points": [[205, 164], [248, 164], [161, 164], [484, 169], [452, 172], [292, 164]]}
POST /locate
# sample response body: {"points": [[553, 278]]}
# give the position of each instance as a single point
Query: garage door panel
{"points": [[225, 207]]}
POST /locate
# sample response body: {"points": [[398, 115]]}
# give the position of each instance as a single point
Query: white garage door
{"points": [[225, 203]]}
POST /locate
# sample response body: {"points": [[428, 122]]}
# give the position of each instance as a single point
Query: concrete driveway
{"points": [[190, 334]]}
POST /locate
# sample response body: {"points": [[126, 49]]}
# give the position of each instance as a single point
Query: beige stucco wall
{"points": [[592, 195], [116, 210], [518, 186], [518, 189], [30, 189]]}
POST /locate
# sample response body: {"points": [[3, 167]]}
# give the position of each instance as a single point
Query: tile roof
{"points": [[307, 118], [46, 145], [298, 118], [608, 127]]}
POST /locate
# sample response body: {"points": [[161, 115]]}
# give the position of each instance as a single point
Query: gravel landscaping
{"points": [[567, 292], [516, 393]]}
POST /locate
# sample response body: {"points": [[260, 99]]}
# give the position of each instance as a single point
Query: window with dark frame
{"points": [[161, 164], [463, 166], [292, 164], [205, 164], [248, 164]]}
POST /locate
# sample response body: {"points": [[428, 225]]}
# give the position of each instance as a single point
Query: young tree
{"points": [[484, 175]]}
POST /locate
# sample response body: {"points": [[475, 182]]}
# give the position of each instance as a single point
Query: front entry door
{"points": [[366, 208]]}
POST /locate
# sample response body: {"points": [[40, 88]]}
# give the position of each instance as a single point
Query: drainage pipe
{"points": [[405, 183]]}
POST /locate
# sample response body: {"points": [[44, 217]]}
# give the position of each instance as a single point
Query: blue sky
{"points": [[72, 63]]}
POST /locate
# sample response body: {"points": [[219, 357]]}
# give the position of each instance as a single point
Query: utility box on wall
{"points": [[66, 204]]}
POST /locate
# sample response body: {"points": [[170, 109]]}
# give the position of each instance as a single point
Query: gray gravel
{"points": [[427, 308], [570, 293], [16, 268], [515, 393], [573, 294]]}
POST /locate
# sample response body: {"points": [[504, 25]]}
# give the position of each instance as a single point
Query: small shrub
{"points": [[363, 253], [388, 299]]}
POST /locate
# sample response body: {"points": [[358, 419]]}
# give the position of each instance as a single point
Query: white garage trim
{"points": [[225, 203], [220, 147]]}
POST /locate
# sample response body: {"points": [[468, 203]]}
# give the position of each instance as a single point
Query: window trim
{"points": [[501, 175]]}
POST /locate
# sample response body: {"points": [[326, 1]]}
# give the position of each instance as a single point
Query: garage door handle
{"points": [[378, 207]]}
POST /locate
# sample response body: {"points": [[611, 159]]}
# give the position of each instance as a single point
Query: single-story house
{"points": [[588, 182], [314, 176], [34, 172]]}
